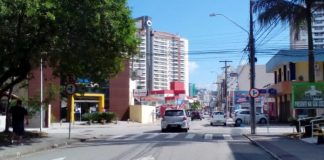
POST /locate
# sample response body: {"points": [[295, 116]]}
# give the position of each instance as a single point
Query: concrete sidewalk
{"points": [[282, 147]]}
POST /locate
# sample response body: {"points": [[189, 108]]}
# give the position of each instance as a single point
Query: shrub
{"points": [[96, 116], [108, 116], [86, 117]]}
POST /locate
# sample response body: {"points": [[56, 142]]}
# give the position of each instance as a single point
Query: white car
{"points": [[175, 119], [218, 118], [243, 116]]}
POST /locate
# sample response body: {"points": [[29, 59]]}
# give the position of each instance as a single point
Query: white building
{"points": [[262, 78], [300, 41], [163, 58]]}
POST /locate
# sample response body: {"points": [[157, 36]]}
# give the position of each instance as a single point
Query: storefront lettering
{"points": [[309, 104]]}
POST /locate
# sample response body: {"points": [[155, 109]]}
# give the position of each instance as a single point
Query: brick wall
{"points": [[119, 94]]}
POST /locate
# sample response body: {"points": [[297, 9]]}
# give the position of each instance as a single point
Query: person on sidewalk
{"points": [[19, 116]]}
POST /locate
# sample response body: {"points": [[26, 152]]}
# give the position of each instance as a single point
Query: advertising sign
{"points": [[140, 92], [307, 95]]}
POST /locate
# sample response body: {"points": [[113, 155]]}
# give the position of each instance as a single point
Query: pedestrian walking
{"points": [[19, 115]]}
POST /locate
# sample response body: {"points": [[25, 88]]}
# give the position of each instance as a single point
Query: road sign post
{"points": [[70, 89]]}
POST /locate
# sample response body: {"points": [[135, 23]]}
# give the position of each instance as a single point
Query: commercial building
{"points": [[192, 90], [238, 86], [290, 69]]}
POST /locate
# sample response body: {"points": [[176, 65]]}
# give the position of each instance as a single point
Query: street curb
{"points": [[41, 147], [262, 147]]}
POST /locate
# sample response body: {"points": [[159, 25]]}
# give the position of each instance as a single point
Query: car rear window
{"points": [[174, 113], [218, 113]]}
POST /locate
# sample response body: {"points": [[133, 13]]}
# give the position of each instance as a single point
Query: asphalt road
{"points": [[202, 142]]}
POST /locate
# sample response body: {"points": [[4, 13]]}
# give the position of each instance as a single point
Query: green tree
{"points": [[85, 38], [297, 13], [195, 105]]}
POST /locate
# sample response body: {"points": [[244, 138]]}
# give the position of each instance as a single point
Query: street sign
{"points": [[254, 92], [70, 88], [262, 91], [272, 91]]}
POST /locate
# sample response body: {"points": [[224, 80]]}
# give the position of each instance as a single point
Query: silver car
{"points": [[218, 118], [243, 116], [175, 119]]}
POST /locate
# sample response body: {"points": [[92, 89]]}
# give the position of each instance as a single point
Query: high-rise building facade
{"points": [[300, 41], [163, 58]]}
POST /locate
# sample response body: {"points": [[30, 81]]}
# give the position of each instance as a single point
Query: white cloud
{"points": [[193, 66]]}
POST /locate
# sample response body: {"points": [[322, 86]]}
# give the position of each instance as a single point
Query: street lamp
{"points": [[218, 14], [251, 60]]}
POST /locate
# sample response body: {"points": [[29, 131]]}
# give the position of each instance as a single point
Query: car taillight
{"points": [[184, 118]]}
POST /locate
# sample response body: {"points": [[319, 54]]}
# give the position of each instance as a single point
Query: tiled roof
{"points": [[286, 56]]}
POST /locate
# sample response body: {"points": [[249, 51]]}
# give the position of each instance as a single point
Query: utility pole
{"points": [[252, 68], [225, 85]]}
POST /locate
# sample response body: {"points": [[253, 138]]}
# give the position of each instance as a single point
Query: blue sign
{"points": [[271, 91], [262, 91]]}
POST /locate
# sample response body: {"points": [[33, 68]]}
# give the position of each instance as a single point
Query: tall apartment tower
{"points": [[163, 58], [300, 41]]}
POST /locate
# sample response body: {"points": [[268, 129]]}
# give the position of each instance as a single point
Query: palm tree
{"points": [[297, 13]]}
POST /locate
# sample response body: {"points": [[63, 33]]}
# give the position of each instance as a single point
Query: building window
{"points": [[275, 77], [279, 75], [285, 73]]}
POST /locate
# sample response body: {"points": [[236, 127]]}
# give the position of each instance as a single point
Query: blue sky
{"points": [[211, 39]]}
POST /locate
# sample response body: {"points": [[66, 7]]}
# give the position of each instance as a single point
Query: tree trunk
{"points": [[7, 111], [311, 59]]}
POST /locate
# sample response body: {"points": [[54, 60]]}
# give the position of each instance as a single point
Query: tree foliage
{"points": [[297, 13], [84, 38], [195, 105]]}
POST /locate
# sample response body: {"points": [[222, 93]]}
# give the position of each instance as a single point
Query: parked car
{"points": [[175, 119], [243, 116], [196, 115], [218, 118]]}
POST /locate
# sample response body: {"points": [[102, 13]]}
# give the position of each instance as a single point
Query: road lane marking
{"points": [[152, 136], [146, 158], [61, 158], [208, 136], [190, 136], [171, 136], [227, 137]]}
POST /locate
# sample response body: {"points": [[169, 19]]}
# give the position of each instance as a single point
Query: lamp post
{"points": [[251, 58]]}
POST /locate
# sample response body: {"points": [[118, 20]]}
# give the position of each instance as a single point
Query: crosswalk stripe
{"points": [[171, 136], [133, 137], [227, 137], [208, 136], [190, 136], [152, 136]]}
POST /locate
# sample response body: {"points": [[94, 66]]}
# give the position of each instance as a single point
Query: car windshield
{"points": [[174, 113]]}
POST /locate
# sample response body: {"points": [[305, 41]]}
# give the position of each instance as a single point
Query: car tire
{"points": [[238, 122], [263, 121], [224, 124], [211, 124], [185, 130], [163, 130]]}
